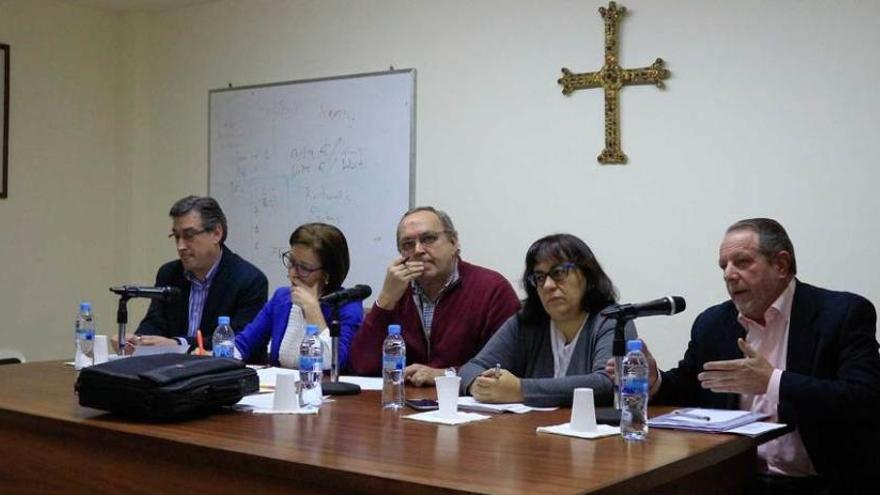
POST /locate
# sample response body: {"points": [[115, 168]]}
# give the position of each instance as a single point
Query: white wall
{"points": [[63, 228], [770, 111]]}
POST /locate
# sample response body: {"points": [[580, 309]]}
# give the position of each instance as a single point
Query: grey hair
{"points": [[448, 227], [772, 237]]}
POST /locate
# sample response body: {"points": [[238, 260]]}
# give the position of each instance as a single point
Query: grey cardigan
{"points": [[525, 350]]}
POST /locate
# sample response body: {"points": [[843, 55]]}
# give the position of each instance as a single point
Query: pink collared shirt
{"points": [[785, 455]]}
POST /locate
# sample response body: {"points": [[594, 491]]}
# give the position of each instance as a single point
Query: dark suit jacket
{"points": [[830, 389], [239, 290]]}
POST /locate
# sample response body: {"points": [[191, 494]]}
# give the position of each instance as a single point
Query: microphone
{"points": [[355, 293], [164, 293], [664, 306]]}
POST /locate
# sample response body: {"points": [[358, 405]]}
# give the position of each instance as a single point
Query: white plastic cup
{"points": [[583, 411], [286, 395], [100, 349], [447, 395]]}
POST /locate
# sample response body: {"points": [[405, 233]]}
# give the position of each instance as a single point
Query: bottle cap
{"points": [[85, 306], [311, 329], [223, 320], [393, 329], [633, 345]]}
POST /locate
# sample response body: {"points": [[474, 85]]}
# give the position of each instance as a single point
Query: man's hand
{"points": [[749, 375], [610, 366], [421, 375], [497, 389], [135, 340], [397, 278]]}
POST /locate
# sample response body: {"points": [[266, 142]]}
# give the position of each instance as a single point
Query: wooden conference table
{"points": [[49, 444]]}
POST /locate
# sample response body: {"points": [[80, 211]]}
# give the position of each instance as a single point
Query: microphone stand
{"points": [[619, 351], [122, 321], [334, 386], [611, 415]]}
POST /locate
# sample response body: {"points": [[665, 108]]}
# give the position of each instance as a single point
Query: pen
{"points": [[201, 342], [497, 370], [691, 416]]}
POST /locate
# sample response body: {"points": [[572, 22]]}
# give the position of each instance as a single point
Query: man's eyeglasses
{"points": [[187, 235], [557, 273], [301, 270], [408, 245]]}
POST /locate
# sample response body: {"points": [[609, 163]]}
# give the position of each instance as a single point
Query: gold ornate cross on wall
{"points": [[612, 77]]}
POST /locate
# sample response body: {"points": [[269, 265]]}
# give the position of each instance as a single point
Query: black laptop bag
{"points": [[165, 386]]}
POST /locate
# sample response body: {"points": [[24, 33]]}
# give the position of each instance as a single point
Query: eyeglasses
{"points": [[557, 273], [301, 270], [187, 235], [427, 239]]}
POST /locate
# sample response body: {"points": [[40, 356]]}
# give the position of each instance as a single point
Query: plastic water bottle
{"points": [[393, 363], [634, 393], [311, 366], [84, 336], [223, 341]]}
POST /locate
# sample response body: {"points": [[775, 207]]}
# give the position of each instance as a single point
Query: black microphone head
{"points": [[355, 293], [678, 305], [361, 291]]}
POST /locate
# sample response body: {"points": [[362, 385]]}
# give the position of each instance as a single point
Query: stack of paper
{"points": [[710, 420], [517, 408]]}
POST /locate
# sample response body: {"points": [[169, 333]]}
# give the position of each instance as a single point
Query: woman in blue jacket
{"points": [[317, 264]]}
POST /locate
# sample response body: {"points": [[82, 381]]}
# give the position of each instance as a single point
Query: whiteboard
{"points": [[337, 150]]}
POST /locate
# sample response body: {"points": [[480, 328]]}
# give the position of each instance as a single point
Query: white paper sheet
{"points": [[436, 417], [565, 429], [263, 404], [757, 428]]}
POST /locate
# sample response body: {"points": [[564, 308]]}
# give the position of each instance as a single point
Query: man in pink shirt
{"points": [[805, 355]]}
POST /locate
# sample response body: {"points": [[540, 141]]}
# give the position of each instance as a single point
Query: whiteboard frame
{"points": [[410, 72], [412, 130]]}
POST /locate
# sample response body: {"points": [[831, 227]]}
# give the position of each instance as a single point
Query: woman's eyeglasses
{"points": [[557, 273], [302, 270]]}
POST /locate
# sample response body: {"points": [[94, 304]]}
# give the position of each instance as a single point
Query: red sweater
{"points": [[464, 319]]}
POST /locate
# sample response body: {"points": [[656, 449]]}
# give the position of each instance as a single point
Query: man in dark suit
{"points": [[805, 355], [213, 280]]}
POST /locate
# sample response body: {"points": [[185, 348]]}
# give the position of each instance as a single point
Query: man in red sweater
{"points": [[447, 308]]}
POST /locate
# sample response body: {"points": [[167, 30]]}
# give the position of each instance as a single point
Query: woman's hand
{"points": [[502, 389], [304, 296], [307, 298]]}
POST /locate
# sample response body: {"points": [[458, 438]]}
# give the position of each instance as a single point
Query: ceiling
{"points": [[138, 5]]}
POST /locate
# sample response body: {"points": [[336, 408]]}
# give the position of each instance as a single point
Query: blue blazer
{"points": [[271, 323], [830, 389]]}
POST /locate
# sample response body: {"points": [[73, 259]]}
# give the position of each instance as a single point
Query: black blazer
{"points": [[239, 290], [830, 389]]}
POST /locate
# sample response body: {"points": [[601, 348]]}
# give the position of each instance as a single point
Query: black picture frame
{"points": [[4, 121]]}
